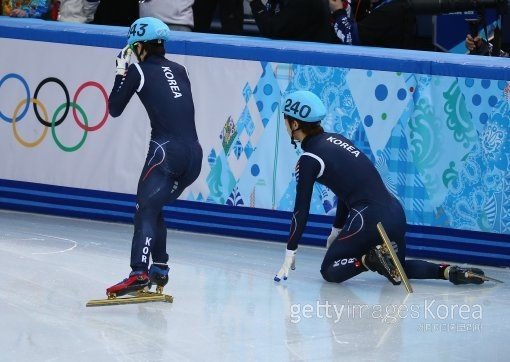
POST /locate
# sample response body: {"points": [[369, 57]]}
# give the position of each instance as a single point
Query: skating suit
{"points": [[363, 200], [174, 158]]}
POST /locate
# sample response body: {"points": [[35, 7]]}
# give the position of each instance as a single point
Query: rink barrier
{"points": [[253, 48], [422, 241]]}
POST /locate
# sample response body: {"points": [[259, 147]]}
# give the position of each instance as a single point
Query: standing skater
{"points": [[363, 201], [175, 155]]}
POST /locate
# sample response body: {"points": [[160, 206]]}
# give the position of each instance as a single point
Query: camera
{"points": [[473, 26], [452, 6]]}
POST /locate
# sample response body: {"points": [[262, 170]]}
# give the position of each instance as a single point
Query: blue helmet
{"points": [[147, 29], [304, 106]]}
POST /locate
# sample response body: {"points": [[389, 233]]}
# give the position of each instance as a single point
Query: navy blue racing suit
{"points": [[363, 200], [174, 158]]}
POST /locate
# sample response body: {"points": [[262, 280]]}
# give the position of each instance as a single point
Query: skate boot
{"points": [[458, 275], [158, 274], [378, 261], [136, 281]]}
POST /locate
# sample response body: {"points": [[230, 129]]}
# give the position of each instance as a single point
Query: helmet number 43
{"points": [[296, 108], [140, 31]]}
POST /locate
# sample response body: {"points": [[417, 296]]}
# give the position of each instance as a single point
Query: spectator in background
{"points": [[231, 15], [479, 46], [26, 8], [116, 12], [76, 11], [177, 14], [387, 24], [304, 20]]}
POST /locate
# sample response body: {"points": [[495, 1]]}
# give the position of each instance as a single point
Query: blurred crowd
{"points": [[381, 23]]}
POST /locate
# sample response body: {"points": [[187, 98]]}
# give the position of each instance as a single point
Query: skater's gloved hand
{"points": [[123, 59], [332, 237], [288, 263]]}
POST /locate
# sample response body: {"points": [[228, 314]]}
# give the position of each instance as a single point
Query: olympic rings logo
{"points": [[58, 116]]}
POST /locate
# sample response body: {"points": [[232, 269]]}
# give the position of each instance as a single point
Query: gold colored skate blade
{"points": [[400, 269], [142, 297], [485, 278]]}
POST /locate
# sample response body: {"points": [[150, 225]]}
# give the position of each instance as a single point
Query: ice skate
{"points": [[137, 285], [135, 282], [458, 275], [379, 261], [396, 271], [158, 275]]}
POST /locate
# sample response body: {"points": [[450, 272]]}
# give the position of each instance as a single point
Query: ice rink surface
{"points": [[226, 306]]}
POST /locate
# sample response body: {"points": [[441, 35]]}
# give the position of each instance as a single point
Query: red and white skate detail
{"points": [[137, 287], [130, 285]]}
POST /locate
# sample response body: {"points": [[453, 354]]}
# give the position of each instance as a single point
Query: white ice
{"points": [[227, 306]]}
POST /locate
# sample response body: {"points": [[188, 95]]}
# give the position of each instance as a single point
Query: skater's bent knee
{"points": [[325, 275], [329, 278]]}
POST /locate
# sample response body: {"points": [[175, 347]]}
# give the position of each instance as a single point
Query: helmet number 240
{"points": [[296, 108]]}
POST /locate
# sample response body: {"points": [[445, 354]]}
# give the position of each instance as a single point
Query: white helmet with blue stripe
{"points": [[148, 29], [304, 106]]}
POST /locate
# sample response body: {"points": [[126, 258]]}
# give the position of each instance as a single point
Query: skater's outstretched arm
{"points": [[307, 170]]}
